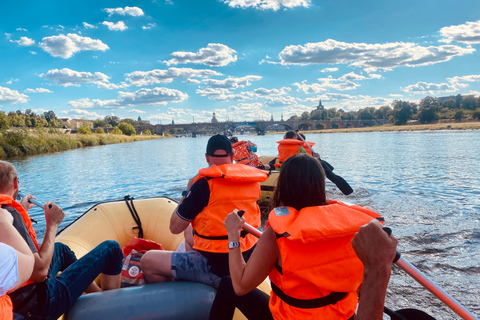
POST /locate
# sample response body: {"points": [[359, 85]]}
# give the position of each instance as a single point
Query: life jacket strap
{"points": [[332, 298], [242, 234]]}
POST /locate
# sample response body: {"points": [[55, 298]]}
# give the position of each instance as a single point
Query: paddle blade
{"points": [[407, 314], [339, 182]]}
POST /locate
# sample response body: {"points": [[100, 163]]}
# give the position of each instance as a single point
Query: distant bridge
{"points": [[206, 128]]}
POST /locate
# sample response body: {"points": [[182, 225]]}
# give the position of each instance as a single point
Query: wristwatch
{"points": [[233, 244]]}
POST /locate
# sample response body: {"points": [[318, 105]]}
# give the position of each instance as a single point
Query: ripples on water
{"points": [[426, 184]]}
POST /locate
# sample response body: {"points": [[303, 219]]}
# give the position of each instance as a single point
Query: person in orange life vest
{"points": [[288, 147], [210, 195], [16, 262], [307, 145], [45, 294], [305, 250], [244, 152]]}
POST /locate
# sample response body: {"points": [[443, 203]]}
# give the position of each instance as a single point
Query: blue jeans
{"points": [[59, 293]]}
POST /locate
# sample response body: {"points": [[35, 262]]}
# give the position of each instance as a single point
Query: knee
{"points": [[146, 262], [113, 247]]}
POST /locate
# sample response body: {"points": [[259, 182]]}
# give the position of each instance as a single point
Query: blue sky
{"points": [[182, 60]]}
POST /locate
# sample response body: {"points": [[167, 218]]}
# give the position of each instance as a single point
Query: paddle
{"points": [[337, 180], [35, 202], [413, 272]]}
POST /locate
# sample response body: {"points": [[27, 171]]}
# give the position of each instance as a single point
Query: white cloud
{"points": [[11, 81], [136, 111], [8, 96], [224, 95], [89, 26], [396, 95], [25, 42], [214, 55], [466, 33], [370, 57], [79, 113], [8, 35], [267, 4], [33, 52], [329, 70], [38, 90], [262, 92], [119, 26], [149, 26], [143, 78], [280, 101], [65, 46], [127, 11], [68, 77], [349, 102], [324, 85], [143, 97], [189, 80], [454, 84], [21, 29], [231, 82]]}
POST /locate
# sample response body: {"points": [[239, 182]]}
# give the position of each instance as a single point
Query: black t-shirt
{"points": [[195, 201]]}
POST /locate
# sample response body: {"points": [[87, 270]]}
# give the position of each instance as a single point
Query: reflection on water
{"points": [[426, 184]]}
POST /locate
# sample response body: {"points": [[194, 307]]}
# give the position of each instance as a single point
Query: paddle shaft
{"points": [[418, 276], [35, 202], [336, 179]]}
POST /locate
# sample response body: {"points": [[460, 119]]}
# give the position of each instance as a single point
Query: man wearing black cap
{"points": [[210, 197]]}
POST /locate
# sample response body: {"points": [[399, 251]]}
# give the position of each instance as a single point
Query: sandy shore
{"points": [[413, 127]]}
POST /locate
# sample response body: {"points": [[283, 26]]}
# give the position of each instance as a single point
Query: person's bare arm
{"points": [[376, 249], [177, 224], [53, 216], [247, 276], [9, 235]]}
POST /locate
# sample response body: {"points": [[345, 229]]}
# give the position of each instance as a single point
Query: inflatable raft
{"points": [[114, 221]]}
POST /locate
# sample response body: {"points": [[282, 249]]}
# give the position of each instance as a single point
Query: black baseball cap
{"points": [[219, 142]]}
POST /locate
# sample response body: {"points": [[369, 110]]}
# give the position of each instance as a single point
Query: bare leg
{"points": [[157, 265], [188, 233], [93, 288], [110, 282]]}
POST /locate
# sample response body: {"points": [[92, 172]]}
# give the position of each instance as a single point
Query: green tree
{"points": [[449, 104], [458, 101], [402, 111], [16, 119], [427, 114], [99, 130], [476, 114], [116, 130], [127, 128], [383, 112], [101, 123], [468, 102], [294, 117], [147, 132], [4, 121], [458, 115], [112, 120], [84, 130], [305, 115]]}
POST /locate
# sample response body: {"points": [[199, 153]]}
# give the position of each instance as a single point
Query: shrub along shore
{"points": [[20, 143]]}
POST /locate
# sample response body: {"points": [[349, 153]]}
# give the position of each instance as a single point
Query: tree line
{"points": [[427, 110], [48, 119]]}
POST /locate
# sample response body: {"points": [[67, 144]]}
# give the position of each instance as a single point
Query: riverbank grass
{"points": [[21, 143]]}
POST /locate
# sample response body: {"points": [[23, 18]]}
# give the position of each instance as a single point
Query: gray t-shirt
{"points": [[19, 224]]}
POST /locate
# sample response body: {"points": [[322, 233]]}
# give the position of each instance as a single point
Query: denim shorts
{"points": [[193, 266]]}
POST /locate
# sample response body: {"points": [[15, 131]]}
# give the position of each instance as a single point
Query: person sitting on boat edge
{"points": [[244, 152], [46, 294], [213, 193], [16, 262], [306, 252]]}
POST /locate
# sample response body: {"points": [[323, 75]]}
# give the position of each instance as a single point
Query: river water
{"points": [[425, 184]]}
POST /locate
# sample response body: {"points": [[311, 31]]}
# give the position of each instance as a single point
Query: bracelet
{"points": [[233, 244]]}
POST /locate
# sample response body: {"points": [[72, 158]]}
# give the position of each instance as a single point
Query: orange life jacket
{"points": [[231, 187], [242, 154], [6, 309], [287, 148], [309, 150], [9, 201], [320, 271]]}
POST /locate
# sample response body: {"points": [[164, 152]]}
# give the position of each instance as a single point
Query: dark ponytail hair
{"points": [[300, 184]]}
